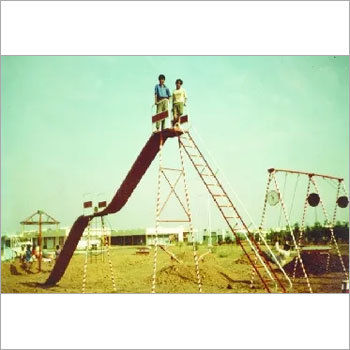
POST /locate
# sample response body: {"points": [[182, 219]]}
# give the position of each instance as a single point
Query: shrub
{"points": [[228, 240]]}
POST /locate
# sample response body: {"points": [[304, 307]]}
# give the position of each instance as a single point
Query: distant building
{"points": [[221, 236], [166, 235], [128, 237], [93, 236], [50, 237]]}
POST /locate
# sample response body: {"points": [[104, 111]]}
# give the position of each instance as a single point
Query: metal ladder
{"points": [[230, 213]]}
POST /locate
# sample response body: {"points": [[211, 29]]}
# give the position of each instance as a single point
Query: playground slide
{"points": [[130, 182]]}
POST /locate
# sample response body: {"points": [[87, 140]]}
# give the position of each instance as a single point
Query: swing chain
{"points": [[302, 226], [292, 234], [265, 202], [261, 226], [331, 225]]}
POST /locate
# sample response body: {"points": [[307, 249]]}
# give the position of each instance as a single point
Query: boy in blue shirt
{"points": [[161, 98], [28, 257]]}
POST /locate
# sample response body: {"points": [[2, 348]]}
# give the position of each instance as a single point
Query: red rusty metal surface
{"points": [[88, 204], [68, 250], [160, 116], [102, 204], [304, 173], [184, 119], [130, 182]]}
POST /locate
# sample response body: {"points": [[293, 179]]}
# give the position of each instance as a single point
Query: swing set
{"points": [[275, 197]]}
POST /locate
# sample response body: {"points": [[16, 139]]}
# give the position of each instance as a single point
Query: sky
{"points": [[72, 126]]}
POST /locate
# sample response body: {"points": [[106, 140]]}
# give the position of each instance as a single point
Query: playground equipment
{"points": [[275, 196], [225, 205], [132, 179], [43, 219], [105, 242], [163, 174], [232, 217], [97, 237], [187, 145], [93, 251], [229, 212]]}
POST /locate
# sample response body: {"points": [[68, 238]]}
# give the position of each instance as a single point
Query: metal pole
{"points": [[210, 243], [40, 240], [304, 173]]}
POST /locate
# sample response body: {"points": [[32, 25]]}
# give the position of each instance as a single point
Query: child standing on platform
{"points": [[161, 97], [179, 101]]}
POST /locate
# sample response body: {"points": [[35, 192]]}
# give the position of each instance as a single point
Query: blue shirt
{"points": [[28, 255], [161, 91]]}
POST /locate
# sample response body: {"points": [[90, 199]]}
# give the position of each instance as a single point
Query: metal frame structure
{"points": [[229, 212], [161, 206], [30, 221], [330, 223], [234, 220], [105, 245]]}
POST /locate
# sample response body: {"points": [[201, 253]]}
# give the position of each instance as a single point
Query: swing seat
{"points": [[316, 249]]}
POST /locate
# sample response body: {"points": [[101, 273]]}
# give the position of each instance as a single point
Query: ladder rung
{"points": [[218, 195], [188, 146], [171, 169], [173, 220], [253, 256], [194, 155], [207, 175], [225, 206], [202, 165], [213, 185]]}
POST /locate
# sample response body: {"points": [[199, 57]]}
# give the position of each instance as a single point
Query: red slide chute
{"points": [[134, 176]]}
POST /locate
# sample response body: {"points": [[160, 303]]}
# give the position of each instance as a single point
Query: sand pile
{"points": [[215, 275]]}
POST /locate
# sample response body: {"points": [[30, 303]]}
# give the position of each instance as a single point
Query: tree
{"points": [[228, 240]]}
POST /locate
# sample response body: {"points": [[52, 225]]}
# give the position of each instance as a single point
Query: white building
{"points": [[166, 235], [93, 236], [170, 235]]}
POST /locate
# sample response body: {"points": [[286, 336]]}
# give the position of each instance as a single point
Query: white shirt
{"points": [[179, 95]]}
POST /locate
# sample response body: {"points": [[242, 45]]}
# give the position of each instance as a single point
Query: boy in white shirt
{"points": [[179, 98]]}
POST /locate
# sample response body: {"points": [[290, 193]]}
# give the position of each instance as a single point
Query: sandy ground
{"points": [[225, 270]]}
